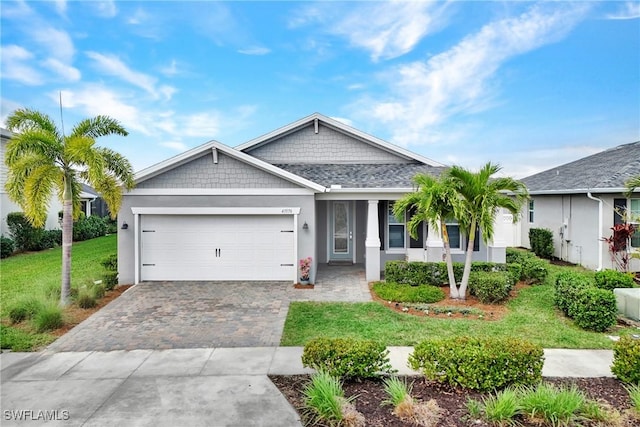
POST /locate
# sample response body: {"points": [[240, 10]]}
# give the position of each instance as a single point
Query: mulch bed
{"points": [[370, 393]]}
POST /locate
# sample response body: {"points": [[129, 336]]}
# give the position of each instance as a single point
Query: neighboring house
{"points": [[578, 201], [88, 196], [315, 187]]}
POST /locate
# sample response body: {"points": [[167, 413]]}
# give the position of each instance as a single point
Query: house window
{"points": [[634, 216], [396, 229], [453, 230], [531, 211]]}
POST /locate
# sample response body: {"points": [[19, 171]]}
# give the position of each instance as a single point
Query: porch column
{"points": [[497, 247], [372, 243], [435, 245]]}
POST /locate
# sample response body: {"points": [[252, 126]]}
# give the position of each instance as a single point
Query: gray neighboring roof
{"points": [[362, 175], [607, 170]]}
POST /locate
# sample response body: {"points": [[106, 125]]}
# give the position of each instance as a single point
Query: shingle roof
{"points": [[362, 175], [609, 169]]}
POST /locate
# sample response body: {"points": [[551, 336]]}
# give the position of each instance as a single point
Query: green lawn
{"points": [[38, 273], [532, 316]]}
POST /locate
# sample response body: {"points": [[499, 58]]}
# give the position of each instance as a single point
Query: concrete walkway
{"points": [[194, 387]]}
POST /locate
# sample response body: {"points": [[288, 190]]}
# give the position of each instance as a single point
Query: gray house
{"points": [[580, 202], [314, 188]]}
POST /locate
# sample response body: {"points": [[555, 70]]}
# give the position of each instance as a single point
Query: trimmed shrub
{"points": [[541, 240], [404, 293], [534, 270], [515, 272], [490, 287], [48, 318], [89, 228], [347, 357], [7, 247], [626, 360], [110, 280], [479, 363], [611, 279], [568, 283], [417, 273], [110, 263], [25, 308]]}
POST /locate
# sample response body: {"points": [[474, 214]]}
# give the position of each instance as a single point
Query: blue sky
{"points": [[529, 85]]}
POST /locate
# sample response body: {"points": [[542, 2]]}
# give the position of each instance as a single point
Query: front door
{"points": [[341, 229]]}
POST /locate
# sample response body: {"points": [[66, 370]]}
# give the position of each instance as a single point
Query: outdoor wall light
{"points": [[124, 226], [305, 226]]}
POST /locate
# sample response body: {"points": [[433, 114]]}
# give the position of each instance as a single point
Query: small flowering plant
{"points": [[305, 268]]}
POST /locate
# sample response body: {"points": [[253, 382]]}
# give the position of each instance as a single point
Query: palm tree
{"points": [[632, 184], [41, 160], [434, 201], [481, 197]]}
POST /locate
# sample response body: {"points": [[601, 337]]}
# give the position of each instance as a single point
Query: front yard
{"points": [[531, 315], [38, 274]]}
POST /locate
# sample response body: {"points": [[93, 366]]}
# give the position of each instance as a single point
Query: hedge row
{"points": [[479, 363], [590, 307], [435, 273], [534, 269]]}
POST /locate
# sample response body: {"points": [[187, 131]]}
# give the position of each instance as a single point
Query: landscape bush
{"points": [[590, 307], [479, 363], [110, 276], [26, 237], [7, 247], [534, 270], [626, 360], [389, 291], [417, 273], [490, 287], [89, 228], [541, 240], [347, 357], [611, 279]]}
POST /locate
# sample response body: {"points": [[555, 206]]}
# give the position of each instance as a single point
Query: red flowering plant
{"points": [[305, 268], [618, 243]]}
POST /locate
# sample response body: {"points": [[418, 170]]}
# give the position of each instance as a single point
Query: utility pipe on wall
{"points": [[589, 195]]}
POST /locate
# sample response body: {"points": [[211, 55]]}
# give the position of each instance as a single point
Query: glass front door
{"points": [[341, 242]]}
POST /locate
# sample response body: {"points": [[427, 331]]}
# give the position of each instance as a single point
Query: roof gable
{"points": [[607, 170], [215, 164], [319, 139]]}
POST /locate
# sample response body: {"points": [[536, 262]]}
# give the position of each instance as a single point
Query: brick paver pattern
{"points": [[162, 315]]}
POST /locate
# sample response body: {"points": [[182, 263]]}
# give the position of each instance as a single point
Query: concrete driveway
{"points": [[166, 315]]}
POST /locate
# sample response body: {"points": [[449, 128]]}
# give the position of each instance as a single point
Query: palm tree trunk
{"points": [[467, 260], [453, 287], [67, 241]]}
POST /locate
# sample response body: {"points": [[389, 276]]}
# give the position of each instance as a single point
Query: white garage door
{"points": [[217, 247]]}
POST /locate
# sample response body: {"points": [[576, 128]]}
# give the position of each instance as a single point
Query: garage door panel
{"points": [[222, 247]]}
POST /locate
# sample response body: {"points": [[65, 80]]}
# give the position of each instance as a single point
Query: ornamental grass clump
{"points": [[553, 406], [325, 401], [407, 408], [501, 408]]}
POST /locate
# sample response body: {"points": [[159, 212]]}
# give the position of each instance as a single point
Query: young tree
{"points": [[481, 196], [42, 160], [434, 201]]}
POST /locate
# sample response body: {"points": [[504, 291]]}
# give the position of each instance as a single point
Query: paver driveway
{"points": [[161, 315]]}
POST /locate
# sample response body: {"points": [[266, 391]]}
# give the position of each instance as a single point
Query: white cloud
{"points": [[67, 72], [7, 107], [112, 65], [15, 67], [170, 70], [423, 94], [205, 124], [175, 145], [57, 42], [631, 10], [255, 50], [139, 17], [105, 9], [356, 86], [61, 6]]}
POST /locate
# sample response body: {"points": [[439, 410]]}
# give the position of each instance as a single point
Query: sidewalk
{"points": [[195, 387]]}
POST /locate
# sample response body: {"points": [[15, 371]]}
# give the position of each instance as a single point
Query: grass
{"points": [[531, 316], [35, 278], [389, 291]]}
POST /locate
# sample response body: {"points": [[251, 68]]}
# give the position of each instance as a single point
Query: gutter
{"points": [[589, 195]]}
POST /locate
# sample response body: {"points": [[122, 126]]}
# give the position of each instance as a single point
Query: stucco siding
{"points": [[202, 172], [326, 146], [126, 246]]}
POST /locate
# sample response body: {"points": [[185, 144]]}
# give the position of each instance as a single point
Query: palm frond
{"points": [[38, 189], [98, 126], [24, 119], [631, 185], [119, 166]]}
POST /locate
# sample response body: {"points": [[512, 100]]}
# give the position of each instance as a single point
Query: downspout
{"points": [[589, 195]]}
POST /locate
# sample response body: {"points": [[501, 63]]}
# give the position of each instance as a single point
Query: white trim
{"points": [[219, 192], [201, 150], [136, 252], [370, 139], [614, 190], [373, 193], [295, 247], [214, 211]]}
